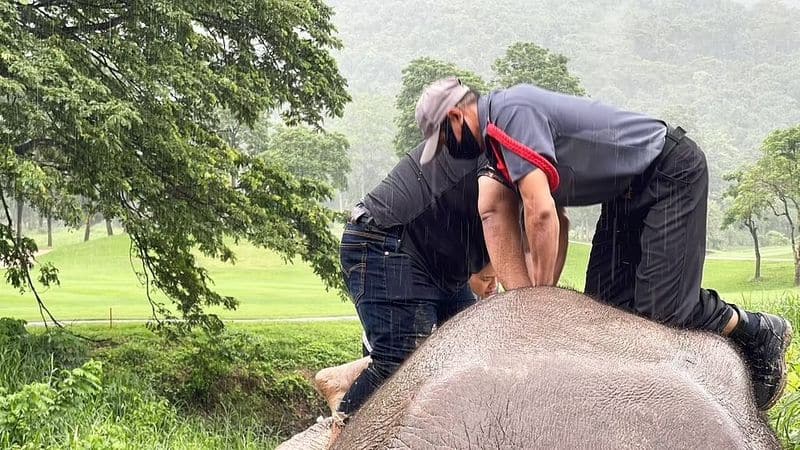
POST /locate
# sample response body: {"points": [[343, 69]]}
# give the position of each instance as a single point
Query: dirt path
{"points": [[36, 255]]}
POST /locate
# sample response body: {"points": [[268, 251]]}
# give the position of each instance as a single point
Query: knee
{"points": [[383, 368]]}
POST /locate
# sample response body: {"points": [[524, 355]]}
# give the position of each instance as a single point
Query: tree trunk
{"points": [[108, 227], [88, 227], [796, 252], [49, 231], [20, 206], [797, 266], [751, 226], [41, 221]]}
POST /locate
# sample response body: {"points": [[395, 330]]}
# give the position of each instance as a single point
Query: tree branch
{"points": [[23, 262], [27, 147], [95, 27]]}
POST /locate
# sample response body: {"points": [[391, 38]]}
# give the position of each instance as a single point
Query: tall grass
{"points": [[785, 416], [247, 388]]}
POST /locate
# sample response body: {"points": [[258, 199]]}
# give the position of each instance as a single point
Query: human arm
{"points": [[541, 228], [563, 243], [499, 210]]}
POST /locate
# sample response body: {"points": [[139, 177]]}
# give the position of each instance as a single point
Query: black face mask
{"points": [[468, 148]]}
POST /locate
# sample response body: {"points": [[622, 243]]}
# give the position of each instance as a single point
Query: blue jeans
{"points": [[398, 303]]}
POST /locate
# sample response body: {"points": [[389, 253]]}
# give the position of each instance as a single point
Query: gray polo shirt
{"points": [[597, 149]]}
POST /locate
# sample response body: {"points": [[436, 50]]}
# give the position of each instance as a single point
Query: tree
{"points": [[416, 76], [747, 201], [367, 123], [309, 154], [778, 173], [526, 62], [117, 103]]}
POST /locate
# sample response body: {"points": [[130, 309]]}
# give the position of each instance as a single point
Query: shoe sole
{"points": [[788, 333]]}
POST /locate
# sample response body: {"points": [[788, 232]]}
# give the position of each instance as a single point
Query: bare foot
{"points": [[333, 382]]}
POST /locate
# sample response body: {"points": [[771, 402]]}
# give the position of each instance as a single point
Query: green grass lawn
{"points": [[782, 252], [97, 275], [729, 277]]}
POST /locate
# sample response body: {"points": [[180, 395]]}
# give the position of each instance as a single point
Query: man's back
{"points": [[437, 205], [595, 147]]}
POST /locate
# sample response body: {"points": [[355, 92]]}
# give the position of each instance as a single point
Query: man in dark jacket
{"points": [[407, 253]]}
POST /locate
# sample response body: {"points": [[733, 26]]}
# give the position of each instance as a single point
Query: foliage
{"points": [[28, 356], [785, 416], [416, 76], [85, 408], [313, 155], [526, 62], [776, 238], [116, 103], [32, 408], [748, 199], [129, 413], [778, 175], [369, 127], [232, 371]]}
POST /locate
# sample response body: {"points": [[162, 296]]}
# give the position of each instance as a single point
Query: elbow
{"points": [[491, 210], [540, 212], [487, 213]]}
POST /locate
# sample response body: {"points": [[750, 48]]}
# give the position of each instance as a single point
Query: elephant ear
{"points": [[315, 437]]}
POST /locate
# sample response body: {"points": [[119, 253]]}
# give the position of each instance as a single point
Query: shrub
{"points": [[230, 374], [775, 238], [26, 357], [32, 409]]}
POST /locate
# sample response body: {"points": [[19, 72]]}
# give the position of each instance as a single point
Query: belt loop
{"points": [[358, 212], [672, 139]]}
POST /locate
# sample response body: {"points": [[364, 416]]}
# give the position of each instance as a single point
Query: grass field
{"points": [[98, 275], [783, 253]]}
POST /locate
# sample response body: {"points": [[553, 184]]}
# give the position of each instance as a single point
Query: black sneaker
{"points": [[764, 350]]}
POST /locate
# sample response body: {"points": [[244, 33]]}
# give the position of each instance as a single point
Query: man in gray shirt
{"points": [[550, 150]]}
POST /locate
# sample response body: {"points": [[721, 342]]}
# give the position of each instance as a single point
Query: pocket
{"points": [[684, 165], [353, 257], [397, 269]]}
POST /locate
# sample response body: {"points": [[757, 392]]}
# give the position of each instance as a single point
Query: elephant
{"points": [[551, 368]]}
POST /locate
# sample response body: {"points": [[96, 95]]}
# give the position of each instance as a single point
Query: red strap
{"points": [[501, 164], [524, 152]]}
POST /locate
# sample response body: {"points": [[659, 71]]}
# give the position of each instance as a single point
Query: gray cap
{"points": [[432, 107]]}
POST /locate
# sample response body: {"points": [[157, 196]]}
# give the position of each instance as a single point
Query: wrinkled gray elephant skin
{"points": [[550, 368]]}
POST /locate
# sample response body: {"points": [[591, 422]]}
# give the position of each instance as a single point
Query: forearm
{"points": [[499, 209], [542, 229], [563, 243]]}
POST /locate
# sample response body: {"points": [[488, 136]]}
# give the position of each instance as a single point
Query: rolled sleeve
{"points": [[530, 128]]}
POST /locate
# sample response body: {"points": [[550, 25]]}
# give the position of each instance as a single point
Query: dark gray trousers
{"points": [[649, 247]]}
